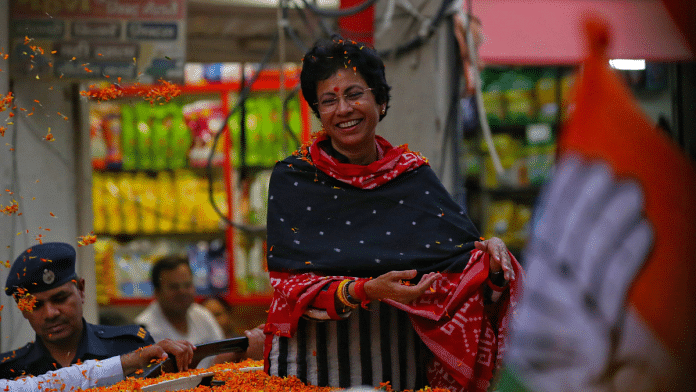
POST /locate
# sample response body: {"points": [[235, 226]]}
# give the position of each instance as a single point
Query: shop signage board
{"points": [[136, 40]]}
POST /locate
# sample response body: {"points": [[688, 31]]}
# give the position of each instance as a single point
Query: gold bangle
{"points": [[339, 292], [342, 296]]}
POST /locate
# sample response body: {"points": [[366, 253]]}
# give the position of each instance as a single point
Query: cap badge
{"points": [[48, 276]]}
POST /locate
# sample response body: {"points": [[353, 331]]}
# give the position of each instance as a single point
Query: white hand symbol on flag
{"points": [[589, 243]]}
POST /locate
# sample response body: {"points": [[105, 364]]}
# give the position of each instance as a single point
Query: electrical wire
{"points": [[453, 132], [293, 34], [285, 120], [427, 30], [244, 94], [476, 77], [386, 22], [322, 24]]}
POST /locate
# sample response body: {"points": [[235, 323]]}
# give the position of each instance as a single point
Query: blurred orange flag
{"points": [[609, 302]]}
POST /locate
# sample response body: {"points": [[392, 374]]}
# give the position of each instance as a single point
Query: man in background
{"points": [[50, 295], [175, 315]]}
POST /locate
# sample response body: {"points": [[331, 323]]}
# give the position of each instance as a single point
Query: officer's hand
{"points": [[182, 351], [589, 243], [138, 359]]}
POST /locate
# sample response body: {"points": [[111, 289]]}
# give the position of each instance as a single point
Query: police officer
{"points": [[50, 295]]}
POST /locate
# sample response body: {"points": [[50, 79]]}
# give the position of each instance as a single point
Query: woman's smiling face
{"points": [[351, 127]]}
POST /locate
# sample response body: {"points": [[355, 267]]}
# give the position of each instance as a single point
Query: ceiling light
{"points": [[627, 65]]}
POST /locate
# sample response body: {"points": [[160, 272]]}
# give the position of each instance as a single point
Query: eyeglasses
{"points": [[354, 97]]}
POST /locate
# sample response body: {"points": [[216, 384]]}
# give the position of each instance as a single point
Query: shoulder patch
{"points": [[109, 332], [13, 355], [141, 333]]}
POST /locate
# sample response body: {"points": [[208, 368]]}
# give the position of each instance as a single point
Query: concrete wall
{"points": [[421, 88], [45, 177]]}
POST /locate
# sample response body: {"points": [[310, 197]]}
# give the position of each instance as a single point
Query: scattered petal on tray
{"points": [[242, 380]]}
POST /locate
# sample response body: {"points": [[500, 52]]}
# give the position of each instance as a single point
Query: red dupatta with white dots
{"points": [[393, 162]]}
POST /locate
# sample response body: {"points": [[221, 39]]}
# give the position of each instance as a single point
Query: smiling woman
{"points": [[370, 258], [349, 114]]}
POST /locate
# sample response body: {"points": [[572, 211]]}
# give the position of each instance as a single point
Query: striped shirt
{"points": [[365, 349]]}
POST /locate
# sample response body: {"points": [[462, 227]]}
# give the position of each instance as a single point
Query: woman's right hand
{"points": [[390, 286], [256, 342]]}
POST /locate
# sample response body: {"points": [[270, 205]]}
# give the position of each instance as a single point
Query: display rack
{"points": [[267, 81], [534, 96]]}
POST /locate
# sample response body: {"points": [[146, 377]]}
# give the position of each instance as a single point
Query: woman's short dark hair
{"points": [[166, 263], [328, 56]]}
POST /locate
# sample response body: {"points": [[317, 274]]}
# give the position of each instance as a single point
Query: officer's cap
{"points": [[42, 267]]}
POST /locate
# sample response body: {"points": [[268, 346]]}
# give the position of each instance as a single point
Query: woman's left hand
{"points": [[500, 257], [391, 286]]}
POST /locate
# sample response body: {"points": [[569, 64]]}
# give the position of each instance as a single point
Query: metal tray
{"points": [[182, 383]]}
